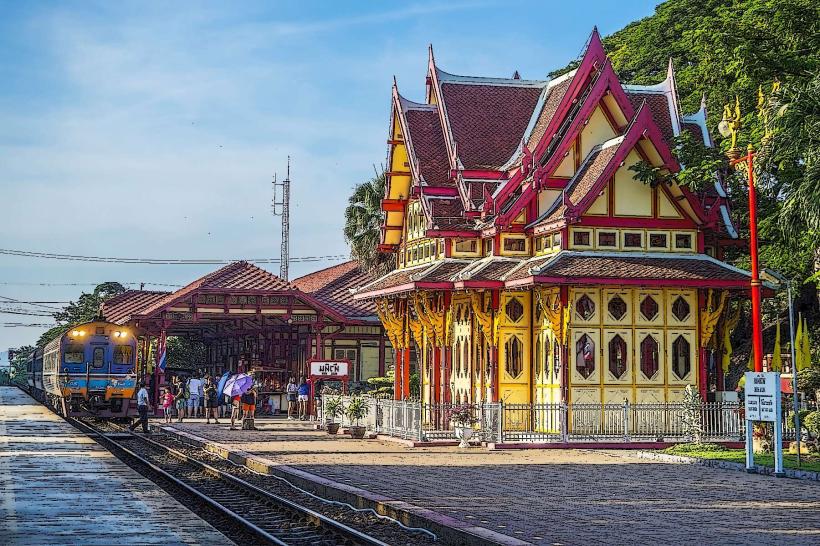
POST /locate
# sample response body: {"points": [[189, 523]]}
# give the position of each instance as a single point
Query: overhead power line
{"points": [[12, 300], [162, 261], [26, 325], [10, 311], [11, 283]]}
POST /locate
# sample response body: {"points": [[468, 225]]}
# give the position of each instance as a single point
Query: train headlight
{"points": [[117, 333], [75, 333], [82, 333]]}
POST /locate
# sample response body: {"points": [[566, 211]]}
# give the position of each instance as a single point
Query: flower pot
{"points": [[332, 428], [464, 434], [357, 432]]}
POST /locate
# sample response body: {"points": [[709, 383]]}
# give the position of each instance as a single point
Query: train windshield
{"points": [[74, 354], [99, 357], [122, 354]]}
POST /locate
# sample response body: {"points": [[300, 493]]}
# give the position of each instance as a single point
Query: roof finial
{"points": [[395, 84], [430, 55], [703, 102], [670, 70], [516, 75]]}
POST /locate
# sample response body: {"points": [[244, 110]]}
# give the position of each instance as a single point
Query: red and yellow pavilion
{"points": [[531, 265]]}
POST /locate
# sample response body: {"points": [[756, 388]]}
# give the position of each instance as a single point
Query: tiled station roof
{"points": [[120, 308], [332, 287], [427, 138]]}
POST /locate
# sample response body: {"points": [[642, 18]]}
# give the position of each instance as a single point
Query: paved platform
{"points": [[542, 496], [58, 486]]}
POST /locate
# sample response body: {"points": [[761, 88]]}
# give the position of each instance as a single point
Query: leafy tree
{"points": [[18, 362], [185, 353], [85, 309], [363, 219]]}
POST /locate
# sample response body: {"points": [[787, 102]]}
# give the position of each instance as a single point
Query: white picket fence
{"points": [[544, 423]]}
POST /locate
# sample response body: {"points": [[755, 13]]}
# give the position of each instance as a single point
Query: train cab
{"points": [[92, 366]]}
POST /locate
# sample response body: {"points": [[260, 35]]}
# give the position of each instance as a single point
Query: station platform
{"points": [[57, 486], [555, 496]]}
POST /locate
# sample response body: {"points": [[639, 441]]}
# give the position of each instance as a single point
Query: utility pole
{"points": [[281, 207]]}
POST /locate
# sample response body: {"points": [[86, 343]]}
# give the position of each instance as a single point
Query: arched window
{"points": [[617, 307], [617, 356], [649, 308], [681, 357], [680, 308], [649, 357], [539, 351], [514, 310], [585, 356], [556, 360], [514, 357]]}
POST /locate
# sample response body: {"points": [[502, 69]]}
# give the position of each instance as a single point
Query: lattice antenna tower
{"points": [[281, 207]]}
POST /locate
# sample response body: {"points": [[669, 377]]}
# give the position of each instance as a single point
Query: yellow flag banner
{"points": [[806, 345], [727, 348], [798, 345], [777, 363]]}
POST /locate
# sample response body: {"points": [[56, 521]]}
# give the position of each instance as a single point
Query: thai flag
{"points": [[161, 353]]}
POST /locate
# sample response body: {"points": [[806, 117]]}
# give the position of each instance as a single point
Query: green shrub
{"points": [[682, 449]]}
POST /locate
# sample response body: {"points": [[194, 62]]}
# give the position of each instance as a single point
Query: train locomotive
{"points": [[87, 371]]}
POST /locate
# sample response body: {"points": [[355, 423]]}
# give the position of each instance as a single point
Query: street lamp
{"points": [[729, 127], [779, 280]]}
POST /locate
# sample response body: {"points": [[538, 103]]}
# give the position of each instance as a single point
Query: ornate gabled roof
{"points": [[487, 117], [555, 92], [120, 308], [427, 142], [331, 286]]}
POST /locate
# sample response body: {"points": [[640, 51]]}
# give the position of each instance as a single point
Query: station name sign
{"points": [[762, 394], [329, 367]]}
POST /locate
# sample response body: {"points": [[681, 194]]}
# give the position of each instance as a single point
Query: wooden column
{"points": [[448, 362], [397, 373], [381, 355], [702, 359]]}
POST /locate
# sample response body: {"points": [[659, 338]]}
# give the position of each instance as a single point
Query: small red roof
{"points": [[331, 286], [659, 106]]}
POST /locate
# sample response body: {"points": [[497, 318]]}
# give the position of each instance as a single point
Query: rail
{"points": [[269, 518]]}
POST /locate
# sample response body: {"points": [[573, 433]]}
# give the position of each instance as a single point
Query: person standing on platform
{"points": [[194, 386], [142, 407], [167, 403], [304, 396], [211, 401], [179, 398], [292, 391], [235, 405], [249, 409]]}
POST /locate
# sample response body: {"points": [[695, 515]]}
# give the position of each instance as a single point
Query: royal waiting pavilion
{"points": [[532, 266]]}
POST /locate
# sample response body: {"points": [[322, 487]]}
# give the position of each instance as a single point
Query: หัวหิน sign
{"points": [[761, 392]]}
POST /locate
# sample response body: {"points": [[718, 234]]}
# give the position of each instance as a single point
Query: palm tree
{"points": [[363, 220]]}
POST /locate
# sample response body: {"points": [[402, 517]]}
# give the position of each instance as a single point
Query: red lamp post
{"points": [[757, 325]]}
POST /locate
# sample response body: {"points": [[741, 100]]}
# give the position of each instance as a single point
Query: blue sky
{"points": [[142, 129]]}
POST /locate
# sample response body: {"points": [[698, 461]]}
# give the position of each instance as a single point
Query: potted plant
{"points": [[463, 420], [333, 409], [356, 410], [762, 434]]}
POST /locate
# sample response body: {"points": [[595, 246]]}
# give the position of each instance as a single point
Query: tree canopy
{"points": [[85, 309], [363, 219]]}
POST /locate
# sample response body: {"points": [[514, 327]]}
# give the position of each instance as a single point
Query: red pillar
{"points": [[702, 361], [436, 377], [406, 374], [397, 374], [448, 361]]}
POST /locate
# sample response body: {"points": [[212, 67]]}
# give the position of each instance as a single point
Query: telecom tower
{"points": [[281, 207]]}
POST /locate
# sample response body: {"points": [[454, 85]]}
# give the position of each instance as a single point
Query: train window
{"points": [[122, 354], [99, 357], [74, 354]]}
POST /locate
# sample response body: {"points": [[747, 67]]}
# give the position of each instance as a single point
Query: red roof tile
{"points": [[693, 128], [659, 106], [427, 139], [494, 271], [488, 121], [332, 286], [573, 265], [556, 93], [234, 277], [120, 308]]}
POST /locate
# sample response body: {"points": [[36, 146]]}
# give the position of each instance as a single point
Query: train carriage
{"points": [[90, 370]]}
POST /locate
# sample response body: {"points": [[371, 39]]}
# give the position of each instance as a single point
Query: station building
{"points": [[531, 265], [251, 320]]}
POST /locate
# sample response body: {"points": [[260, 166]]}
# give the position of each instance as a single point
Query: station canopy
{"points": [[238, 299]]}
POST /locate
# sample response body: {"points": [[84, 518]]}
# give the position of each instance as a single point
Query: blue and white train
{"points": [[88, 371]]}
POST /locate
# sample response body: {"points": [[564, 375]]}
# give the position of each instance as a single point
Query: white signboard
{"points": [[328, 367], [762, 396]]}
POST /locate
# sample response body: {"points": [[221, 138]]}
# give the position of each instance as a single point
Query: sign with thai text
{"points": [[329, 367], [762, 395]]}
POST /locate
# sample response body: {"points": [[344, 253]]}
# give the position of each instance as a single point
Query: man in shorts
{"points": [[304, 396], [292, 390], [235, 405], [194, 398]]}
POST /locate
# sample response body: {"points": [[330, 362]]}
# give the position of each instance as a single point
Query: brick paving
{"points": [[551, 496]]}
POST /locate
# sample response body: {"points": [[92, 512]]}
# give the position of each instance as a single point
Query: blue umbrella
{"points": [[220, 386], [238, 384]]}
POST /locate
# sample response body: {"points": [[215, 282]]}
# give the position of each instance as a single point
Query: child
{"points": [[167, 404]]}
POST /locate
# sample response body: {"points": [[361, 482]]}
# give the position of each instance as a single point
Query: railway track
{"points": [[244, 509]]}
